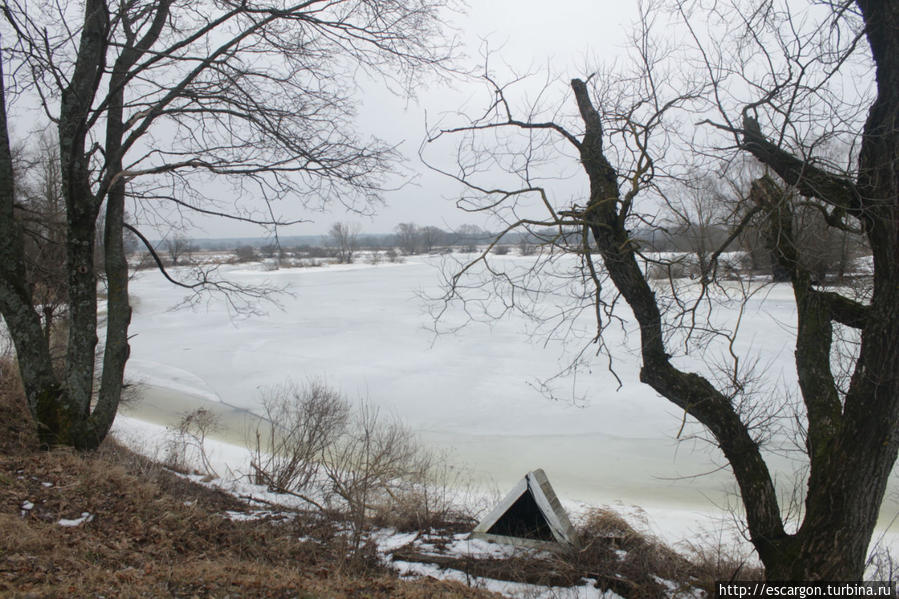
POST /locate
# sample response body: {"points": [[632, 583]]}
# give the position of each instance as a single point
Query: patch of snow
{"points": [[245, 516], [388, 540], [463, 545], [85, 517], [509, 589]]}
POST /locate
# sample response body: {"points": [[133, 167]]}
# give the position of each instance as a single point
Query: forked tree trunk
{"points": [[63, 406], [852, 444]]}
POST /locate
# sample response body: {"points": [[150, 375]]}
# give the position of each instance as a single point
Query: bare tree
{"points": [[407, 238], [701, 219], [42, 216], [776, 92], [345, 237], [469, 236], [151, 99], [178, 247], [431, 237]]}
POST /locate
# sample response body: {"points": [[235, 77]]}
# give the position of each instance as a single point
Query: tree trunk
{"points": [[852, 445]]}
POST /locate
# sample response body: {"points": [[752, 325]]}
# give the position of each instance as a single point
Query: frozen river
{"points": [[366, 331]]}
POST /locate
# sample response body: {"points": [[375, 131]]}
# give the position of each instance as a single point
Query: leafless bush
{"points": [[371, 464], [310, 445], [433, 498], [186, 445], [245, 253], [718, 557], [298, 423], [881, 564], [144, 262], [666, 270]]}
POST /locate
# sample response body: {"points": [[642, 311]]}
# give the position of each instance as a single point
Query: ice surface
{"points": [[365, 330], [158, 374]]}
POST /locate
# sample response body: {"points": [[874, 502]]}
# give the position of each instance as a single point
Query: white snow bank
{"points": [[85, 517]]}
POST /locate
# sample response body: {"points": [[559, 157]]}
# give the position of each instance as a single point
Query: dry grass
{"points": [[609, 544], [154, 534], [610, 552], [717, 559], [15, 437]]}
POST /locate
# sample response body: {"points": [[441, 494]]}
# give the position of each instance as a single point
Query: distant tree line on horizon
{"points": [[830, 253]]}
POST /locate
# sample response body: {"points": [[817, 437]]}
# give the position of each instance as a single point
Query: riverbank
{"points": [[487, 466]]}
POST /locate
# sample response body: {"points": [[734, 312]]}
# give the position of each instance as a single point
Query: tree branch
{"points": [[809, 181]]}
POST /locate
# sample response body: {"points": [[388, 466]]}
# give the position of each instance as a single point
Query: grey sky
{"points": [[562, 38], [558, 40]]}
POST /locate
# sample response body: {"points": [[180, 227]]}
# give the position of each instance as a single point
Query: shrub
{"points": [[245, 253], [666, 270], [186, 445], [370, 464], [361, 463], [298, 423]]}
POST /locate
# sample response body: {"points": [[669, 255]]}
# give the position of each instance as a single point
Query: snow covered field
{"points": [[366, 331]]}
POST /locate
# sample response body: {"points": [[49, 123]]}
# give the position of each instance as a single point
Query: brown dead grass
{"points": [[155, 534], [609, 543], [14, 436]]}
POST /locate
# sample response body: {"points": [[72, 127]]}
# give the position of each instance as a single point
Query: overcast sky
{"points": [[564, 37]]}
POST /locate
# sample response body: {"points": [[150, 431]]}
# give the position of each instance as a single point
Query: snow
{"points": [[365, 329], [509, 589], [85, 517], [463, 545], [389, 540], [158, 374], [255, 515]]}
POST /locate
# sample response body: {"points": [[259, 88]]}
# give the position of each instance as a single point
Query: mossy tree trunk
{"points": [[64, 405]]}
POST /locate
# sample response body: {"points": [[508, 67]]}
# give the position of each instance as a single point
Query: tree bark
{"points": [[42, 388], [852, 445]]}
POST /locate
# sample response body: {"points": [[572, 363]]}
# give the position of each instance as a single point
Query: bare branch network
{"points": [[174, 109], [769, 138]]}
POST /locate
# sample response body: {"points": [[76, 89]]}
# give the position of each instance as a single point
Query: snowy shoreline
{"points": [[144, 424], [365, 331]]}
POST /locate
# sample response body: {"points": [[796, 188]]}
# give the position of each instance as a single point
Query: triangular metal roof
{"points": [[530, 515]]}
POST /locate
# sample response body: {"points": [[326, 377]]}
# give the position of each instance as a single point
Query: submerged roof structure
{"points": [[529, 515]]}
